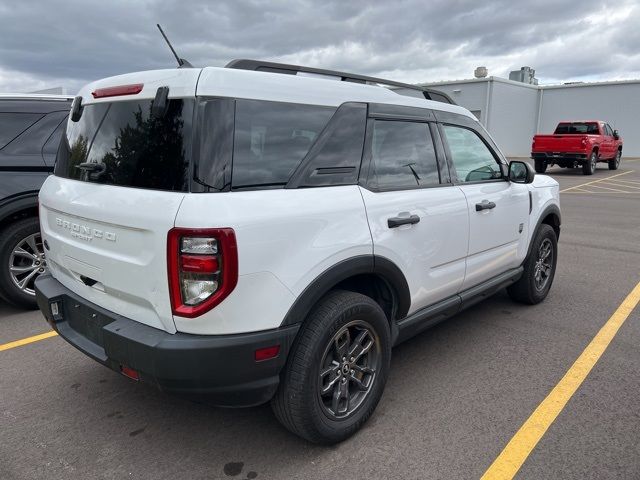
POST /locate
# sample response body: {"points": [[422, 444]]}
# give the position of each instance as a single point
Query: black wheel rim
{"points": [[348, 369], [544, 265], [26, 262]]}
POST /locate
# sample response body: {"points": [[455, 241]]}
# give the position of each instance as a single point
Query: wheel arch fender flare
{"points": [[341, 271], [13, 205], [550, 216]]}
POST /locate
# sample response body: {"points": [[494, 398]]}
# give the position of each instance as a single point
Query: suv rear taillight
{"points": [[203, 268]]}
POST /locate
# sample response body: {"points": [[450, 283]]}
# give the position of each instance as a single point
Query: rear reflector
{"points": [[129, 372], [199, 263], [267, 353], [118, 91]]}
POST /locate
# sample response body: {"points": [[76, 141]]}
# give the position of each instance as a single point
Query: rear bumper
{"points": [[222, 367], [551, 156]]}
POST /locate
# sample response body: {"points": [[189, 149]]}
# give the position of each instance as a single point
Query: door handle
{"points": [[394, 222], [485, 205]]}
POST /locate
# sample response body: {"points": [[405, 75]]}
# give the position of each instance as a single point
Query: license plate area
{"points": [[85, 321]]}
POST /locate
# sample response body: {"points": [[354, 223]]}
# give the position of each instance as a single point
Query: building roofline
{"points": [[526, 85], [35, 96]]}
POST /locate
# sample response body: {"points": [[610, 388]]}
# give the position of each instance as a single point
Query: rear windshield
{"points": [[583, 128], [122, 144]]}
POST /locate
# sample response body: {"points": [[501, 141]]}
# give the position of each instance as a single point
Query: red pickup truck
{"points": [[576, 144]]}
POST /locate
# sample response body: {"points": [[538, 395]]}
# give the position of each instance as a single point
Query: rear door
{"points": [[498, 209], [120, 177], [418, 220], [608, 142]]}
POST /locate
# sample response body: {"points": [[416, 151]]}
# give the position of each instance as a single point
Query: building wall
{"points": [[616, 103], [517, 111], [513, 115]]}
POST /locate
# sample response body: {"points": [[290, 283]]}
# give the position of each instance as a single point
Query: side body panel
{"points": [[430, 253], [498, 237], [286, 239]]}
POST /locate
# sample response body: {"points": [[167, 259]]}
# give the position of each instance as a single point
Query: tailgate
{"points": [[108, 244], [558, 143]]}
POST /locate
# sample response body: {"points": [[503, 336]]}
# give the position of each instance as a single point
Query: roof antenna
{"points": [[182, 63]]}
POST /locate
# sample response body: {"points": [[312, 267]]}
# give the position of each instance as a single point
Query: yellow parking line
{"points": [[525, 440], [606, 188], [28, 340], [594, 181], [622, 183]]}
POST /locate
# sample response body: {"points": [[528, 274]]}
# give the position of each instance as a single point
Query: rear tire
{"points": [[324, 364], [614, 163], [589, 167], [23, 237], [541, 166], [539, 268]]}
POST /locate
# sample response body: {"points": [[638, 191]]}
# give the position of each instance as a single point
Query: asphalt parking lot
{"points": [[456, 396]]}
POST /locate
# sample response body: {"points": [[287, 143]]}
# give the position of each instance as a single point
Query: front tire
{"points": [[539, 268], [337, 369], [614, 163], [589, 167], [541, 166], [21, 261]]}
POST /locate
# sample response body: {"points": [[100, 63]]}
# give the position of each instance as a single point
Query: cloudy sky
{"points": [[46, 43]]}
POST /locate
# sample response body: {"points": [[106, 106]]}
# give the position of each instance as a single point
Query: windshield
{"points": [[583, 128], [122, 144]]}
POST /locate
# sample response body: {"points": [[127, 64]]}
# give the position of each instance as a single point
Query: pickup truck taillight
{"points": [[203, 268]]}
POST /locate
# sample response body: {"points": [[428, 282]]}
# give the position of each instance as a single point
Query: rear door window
{"points": [[271, 139], [123, 144], [13, 124], [33, 139], [402, 156]]}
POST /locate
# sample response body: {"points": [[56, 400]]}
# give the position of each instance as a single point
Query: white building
{"points": [[513, 111]]}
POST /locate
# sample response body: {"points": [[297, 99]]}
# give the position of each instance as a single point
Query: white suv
{"points": [[256, 235]]}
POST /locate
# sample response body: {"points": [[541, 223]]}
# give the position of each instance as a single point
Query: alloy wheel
{"points": [[544, 265], [348, 369], [26, 262]]}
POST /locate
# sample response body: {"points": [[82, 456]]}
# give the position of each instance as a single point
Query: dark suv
{"points": [[30, 131]]}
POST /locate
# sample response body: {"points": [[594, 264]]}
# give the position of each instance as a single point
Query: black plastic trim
{"points": [[545, 213], [222, 367], [363, 264], [436, 313], [12, 205]]}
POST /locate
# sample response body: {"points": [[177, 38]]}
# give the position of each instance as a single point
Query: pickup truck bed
{"points": [[575, 144]]}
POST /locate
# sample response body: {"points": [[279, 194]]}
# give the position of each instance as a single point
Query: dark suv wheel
{"points": [[21, 261], [337, 369]]}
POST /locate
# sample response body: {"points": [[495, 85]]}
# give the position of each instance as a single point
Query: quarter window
{"points": [[402, 156], [13, 124], [271, 139], [472, 159]]}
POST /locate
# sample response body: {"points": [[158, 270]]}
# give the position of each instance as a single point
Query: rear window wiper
{"points": [[93, 169]]}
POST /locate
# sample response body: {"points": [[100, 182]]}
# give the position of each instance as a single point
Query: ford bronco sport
{"points": [[265, 236]]}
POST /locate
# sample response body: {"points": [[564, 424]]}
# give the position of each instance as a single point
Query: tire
{"points": [[23, 234], [299, 405], [614, 163], [541, 166], [528, 289], [589, 167]]}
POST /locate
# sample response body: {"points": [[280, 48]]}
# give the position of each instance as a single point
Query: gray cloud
{"points": [[74, 42]]}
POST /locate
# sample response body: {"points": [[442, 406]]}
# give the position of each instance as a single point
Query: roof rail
{"points": [[258, 65]]}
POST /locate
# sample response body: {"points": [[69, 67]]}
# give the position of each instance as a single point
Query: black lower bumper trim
{"points": [[222, 367]]}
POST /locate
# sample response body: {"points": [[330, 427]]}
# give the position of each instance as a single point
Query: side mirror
{"points": [[616, 134], [521, 172]]}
